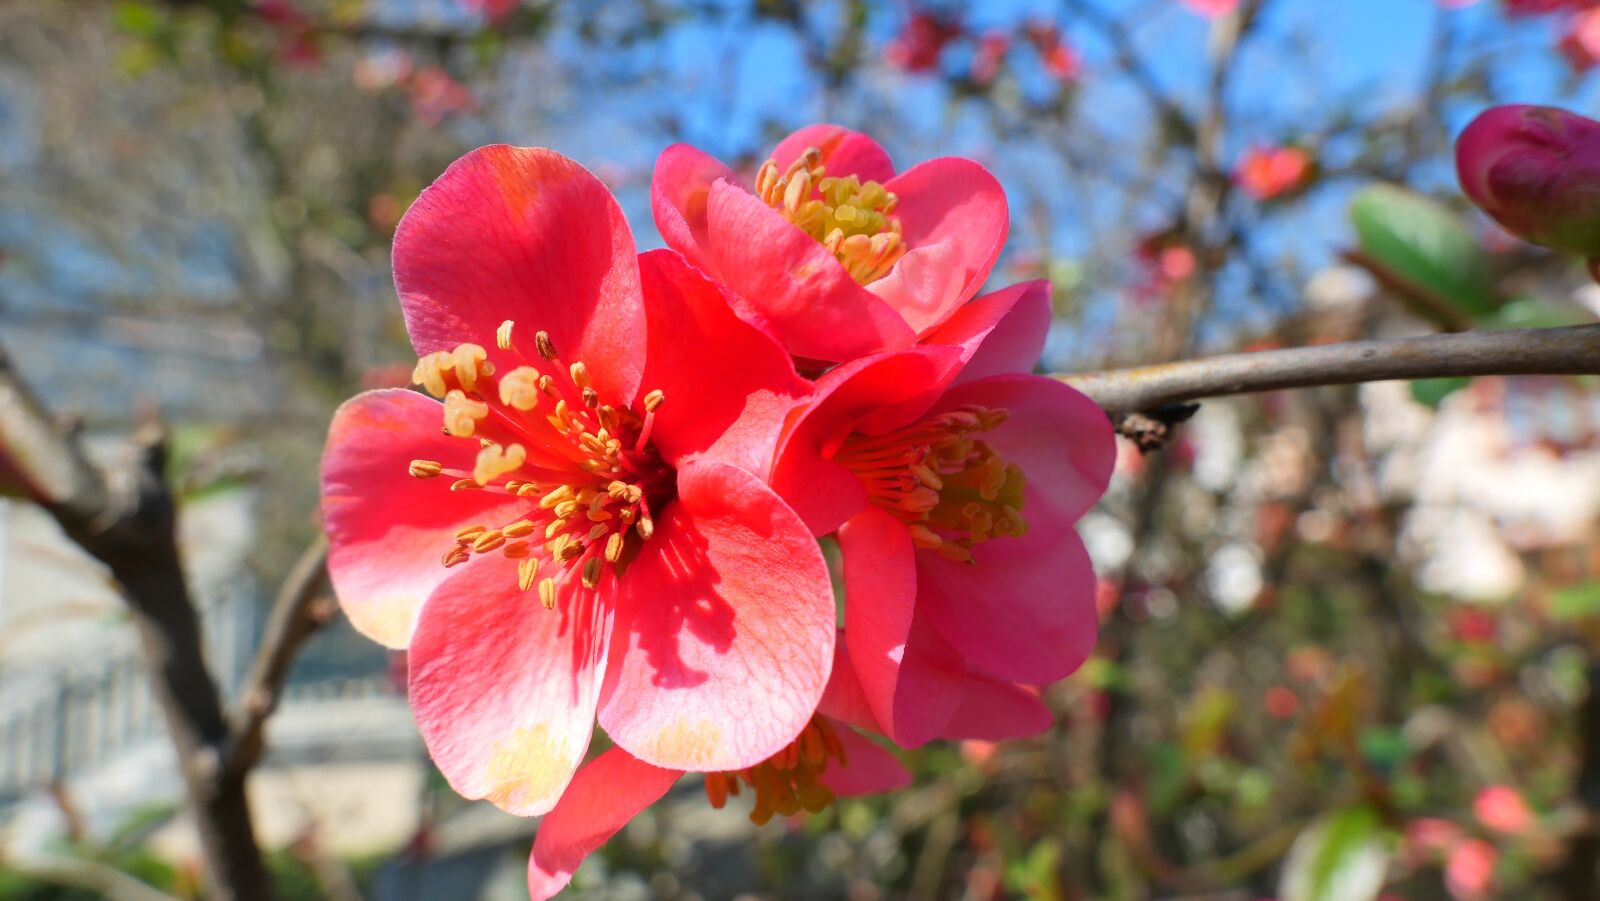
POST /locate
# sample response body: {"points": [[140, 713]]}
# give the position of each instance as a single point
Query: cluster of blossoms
{"points": [[608, 500]]}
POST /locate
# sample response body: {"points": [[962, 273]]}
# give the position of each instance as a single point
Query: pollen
{"points": [[855, 221], [950, 488], [789, 781], [575, 467]]}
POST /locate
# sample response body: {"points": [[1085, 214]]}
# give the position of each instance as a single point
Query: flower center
{"points": [[543, 433], [853, 220], [788, 781], [949, 487]]}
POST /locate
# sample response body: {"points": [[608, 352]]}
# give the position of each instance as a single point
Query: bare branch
{"points": [[301, 608], [88, 875], [1574, 350]]}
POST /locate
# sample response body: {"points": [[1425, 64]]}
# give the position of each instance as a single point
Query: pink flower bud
{"points": [[1536, 171]]}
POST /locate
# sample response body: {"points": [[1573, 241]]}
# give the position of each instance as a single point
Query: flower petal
{"points": [[680, 188], [844, 699], [1000, 333], [912, 694], [844, 152], [503, 690], [726, 628], [998, 711], [387, 530], [525, 234], [875, 393], [1062, 441], [606, 793], [1024, 613], [869, 768], [728, 385], [956, 206], [792, 281]]}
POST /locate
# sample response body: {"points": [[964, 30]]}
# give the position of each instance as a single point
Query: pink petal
{"points": [[1024, 612], [1000, 333], [1062, 441], [795, 284], [879, 392], [912, 695], [844, 152], [728, 385], [726, 628], [387, 530], [605, 794], [927, 285], [869, 768], [680, 188], [528, 235], [998, 711], [503, 690], [844, 699], [955, 205]]}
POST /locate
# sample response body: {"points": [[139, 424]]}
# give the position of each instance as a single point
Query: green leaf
{"points": [[1576, 601], [1421, 243], [138, 19], [1432, 392], [1342, 856], [1531, 312]]}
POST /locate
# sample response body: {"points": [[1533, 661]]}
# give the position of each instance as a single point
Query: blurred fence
{"points": [[62, 721]]}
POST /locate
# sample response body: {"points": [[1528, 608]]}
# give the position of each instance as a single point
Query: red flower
{"points": [[917, 47], [953, 480], [1268, 172], [608, 545], [1502, 808], [991, 54], [1580, 42], [828, 760], [1211, 9], [837, 253], [1536, 171], [1060, 59]]}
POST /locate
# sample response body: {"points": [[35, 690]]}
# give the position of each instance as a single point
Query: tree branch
{"points": [[88, 875], [129, 524], [1148, 390], [301, 608]]}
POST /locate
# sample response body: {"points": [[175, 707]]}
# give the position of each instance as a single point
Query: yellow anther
{"points": [[461, 414], [547, 348], [527, 489], [580, 374], [464, 485], [527, 570], [547, 593], [495, 461], [488, 541], [555, 496], [470, 532], [516, 550], [470, 361], [591, 398], [519, 529], [429, 372], [425, 469], [654, 400], [454, 556], [519, 388], [614, 547], [554, 526], [598, 529], [591, 572], [646, 527], [502, 335]]}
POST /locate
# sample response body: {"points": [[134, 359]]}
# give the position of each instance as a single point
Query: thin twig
{"points": [[1573, 350], [301, 608]]}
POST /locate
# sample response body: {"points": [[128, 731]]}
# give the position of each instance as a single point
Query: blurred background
{"points": [[1348, 633]]}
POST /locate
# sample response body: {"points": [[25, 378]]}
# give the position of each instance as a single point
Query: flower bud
{"points": [[1536, 171]]}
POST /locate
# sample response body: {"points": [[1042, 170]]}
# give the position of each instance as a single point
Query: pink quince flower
{"points": [[830, 759], [1503, 809], [834, 251], [916, 49], [1266, 173], [590, 534], [1469, 870], [1580, 40], [952, 479], [1536, 171]]}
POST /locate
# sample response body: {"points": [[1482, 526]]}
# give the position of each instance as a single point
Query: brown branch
{"points": [[301, 608], [129, 524], [1573, 350]]}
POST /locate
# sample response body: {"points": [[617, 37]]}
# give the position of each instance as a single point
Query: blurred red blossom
{"points": [[1580, 41], [493, 10], [917, 47], [1061, 60], [1268, 172], [436, 95], [1469, 872], [1211, 9], [1502, 808], [991, 54]]}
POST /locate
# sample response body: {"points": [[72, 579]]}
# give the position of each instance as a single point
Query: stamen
{"points": [[547, 348], [526, 571], [591, 572], [502, 335], [851, 219], [461, 414], [425, 469], [789, 781], [519, 388], [547, 593], [495, 461]]}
